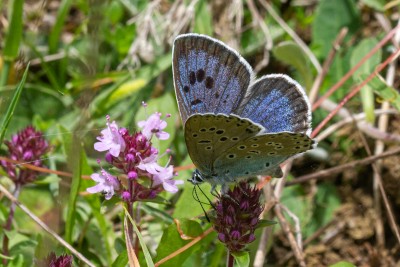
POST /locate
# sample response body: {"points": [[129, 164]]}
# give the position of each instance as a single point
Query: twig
{"points": [[327, 63], [292, 34], [298, 254], [185, 247], [359, 117], [329, 172], [44, 226], [297, 227], [392, 57], [350, 72]]}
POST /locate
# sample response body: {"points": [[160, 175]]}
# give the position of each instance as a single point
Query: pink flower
{"points": [[150, 164], [111, 140], [165, 177], [154, 125], [106, 183]]}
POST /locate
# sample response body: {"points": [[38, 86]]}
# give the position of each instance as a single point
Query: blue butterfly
{"points": [[235, 126]]}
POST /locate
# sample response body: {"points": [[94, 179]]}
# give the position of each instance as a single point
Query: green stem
{"points": [[4, 73]]}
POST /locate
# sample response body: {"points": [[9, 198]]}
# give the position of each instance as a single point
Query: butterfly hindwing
{"points": [[261, 154], [278, 103], [207, 135], [208, 75]]}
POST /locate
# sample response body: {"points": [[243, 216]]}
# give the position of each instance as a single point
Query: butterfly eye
{"points": [[222, 139], [220, 132], [254, 145], [241, 147]]}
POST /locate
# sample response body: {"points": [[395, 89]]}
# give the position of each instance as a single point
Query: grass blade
{"points": [[13, 105]]}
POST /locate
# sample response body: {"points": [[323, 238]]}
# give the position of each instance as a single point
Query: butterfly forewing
{"points": [[208, 75], [261, 155], [207, 135]]}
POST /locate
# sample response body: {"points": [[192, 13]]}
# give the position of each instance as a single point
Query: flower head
{"points": [[237, 215], [53, 261], [111, 139], [106, 184], [27, 146], [154, 125]]}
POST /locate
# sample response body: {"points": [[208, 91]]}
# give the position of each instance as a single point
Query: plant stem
{"points": [[9, 221], [230, 260]]}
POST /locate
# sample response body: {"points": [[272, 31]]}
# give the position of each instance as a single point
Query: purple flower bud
{"points": [[129, 157], [109, 158], [251, 238], [27, 155], [221, 237], [126, 195], [132, 175], [235, 234]]}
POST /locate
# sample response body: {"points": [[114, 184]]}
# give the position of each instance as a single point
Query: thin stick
{"points": [[298, 254], [45, 227], [329, 172], [297, 227], [355, 91], [350, 72], [327, 63], [359, 117], [185, 247]]}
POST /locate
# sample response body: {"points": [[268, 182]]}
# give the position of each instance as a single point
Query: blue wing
{"points": [[209, 76], [278, 103]]}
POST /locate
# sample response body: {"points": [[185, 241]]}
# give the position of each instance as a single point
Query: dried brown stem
{"points": [[329, 172], [327, 63]]}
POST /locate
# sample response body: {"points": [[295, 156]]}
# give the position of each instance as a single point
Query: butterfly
{"points": [[236, 126]]}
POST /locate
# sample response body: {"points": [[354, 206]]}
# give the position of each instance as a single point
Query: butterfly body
{"points": [[236, 127]]}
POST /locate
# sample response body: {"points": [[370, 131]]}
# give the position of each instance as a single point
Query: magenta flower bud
{"points": [[109, 158], [235, 234], [132, 175], [129, 157], [221, 237], [126, 195]]}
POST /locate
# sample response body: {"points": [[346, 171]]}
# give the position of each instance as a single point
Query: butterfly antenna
{"points": [[196, 197], [209, 200]]}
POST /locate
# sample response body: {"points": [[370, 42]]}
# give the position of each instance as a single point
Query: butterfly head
{"points": [[197, 178]]}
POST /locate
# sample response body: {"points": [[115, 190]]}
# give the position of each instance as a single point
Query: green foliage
{"points": [[89, 59], [291, 54], [367, 95], [172, 241], [330, 18]]}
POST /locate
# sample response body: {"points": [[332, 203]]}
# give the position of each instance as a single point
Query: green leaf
{"points": [[368, 67], [265, 223], [14, 33], [330, 18], [121, 260], [172, 241], [73, 150], [290, 53], [375, 4], [12, 106], [56, 30], [386, 92], [145, 250], [203, 19], [342, 264], [242, 259], [182, 208]]}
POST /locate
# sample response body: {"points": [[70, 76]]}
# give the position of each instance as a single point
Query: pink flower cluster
{"points": [[134, 156]]}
